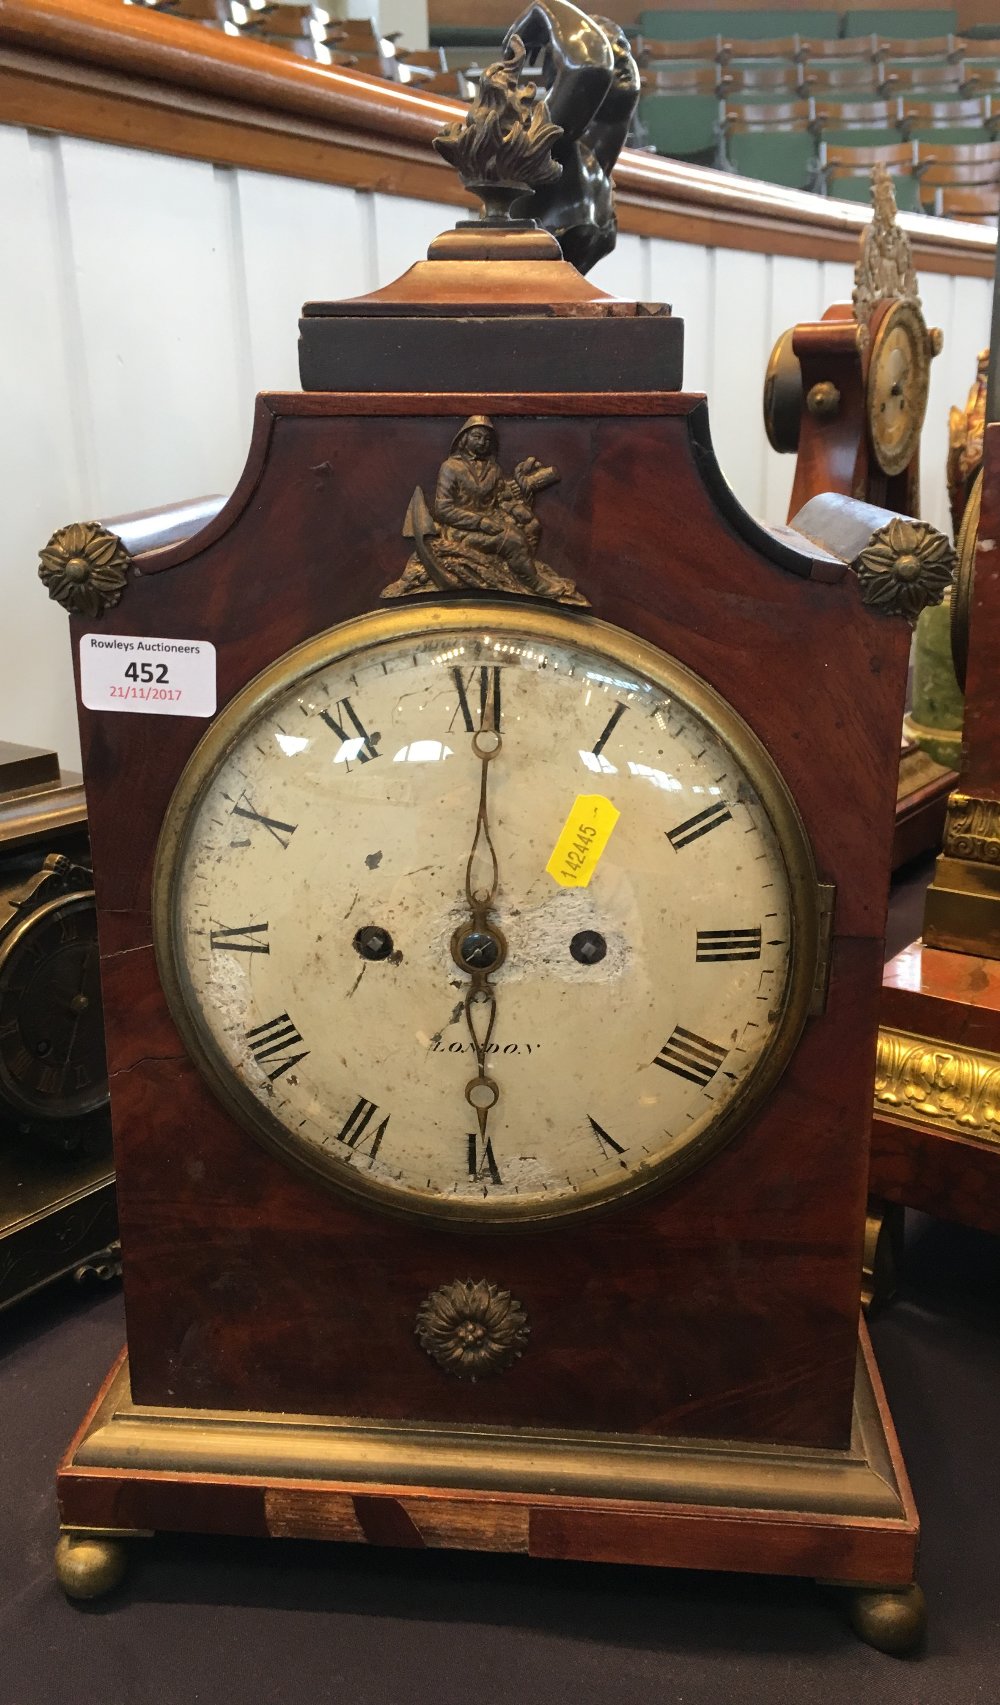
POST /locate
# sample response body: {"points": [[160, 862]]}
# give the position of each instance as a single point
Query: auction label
{"points": [[587, 832], [169, 677]]}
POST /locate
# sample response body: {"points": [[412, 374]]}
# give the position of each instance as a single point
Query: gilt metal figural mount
{"points": [[481, 531]]}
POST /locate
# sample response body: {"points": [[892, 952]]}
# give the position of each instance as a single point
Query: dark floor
{"points": [[235, 1622]]}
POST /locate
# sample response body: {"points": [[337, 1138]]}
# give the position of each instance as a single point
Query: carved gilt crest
{"points": [[884, 270]]}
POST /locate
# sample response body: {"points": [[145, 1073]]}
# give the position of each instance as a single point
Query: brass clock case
{"points": [[290, 674], [897, 385]]}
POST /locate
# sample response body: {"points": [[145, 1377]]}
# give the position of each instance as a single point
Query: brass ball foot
{"points": [[89, 1565], [892, 1621]]}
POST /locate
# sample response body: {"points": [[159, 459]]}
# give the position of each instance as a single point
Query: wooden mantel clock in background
{"points": [[847, 395], [492, 979]]}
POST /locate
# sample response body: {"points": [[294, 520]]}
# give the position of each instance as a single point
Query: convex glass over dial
{"points": [[487, 913]]}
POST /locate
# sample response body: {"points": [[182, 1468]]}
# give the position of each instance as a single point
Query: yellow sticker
{"points": [[587, 832]]}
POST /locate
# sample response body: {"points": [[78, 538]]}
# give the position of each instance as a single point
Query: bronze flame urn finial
{"points": [[503, 146]]}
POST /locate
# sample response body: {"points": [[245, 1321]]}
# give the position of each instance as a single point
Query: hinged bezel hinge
{"points": [[826, 895]]}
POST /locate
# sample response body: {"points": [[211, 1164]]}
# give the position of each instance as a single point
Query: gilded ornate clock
{"points": [[492, 983]]}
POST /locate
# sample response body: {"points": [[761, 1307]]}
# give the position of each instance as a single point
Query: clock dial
{"points": [[898, 380], [485, 913]]}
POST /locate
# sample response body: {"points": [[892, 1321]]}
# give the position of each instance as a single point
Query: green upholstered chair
{"points": [[921, 21], [860, 189], [669, 25], [919, 116], [845, 169], [952, 135], [777, 157], [877, 137], [685, 127], [882, 115], [706, 50]]}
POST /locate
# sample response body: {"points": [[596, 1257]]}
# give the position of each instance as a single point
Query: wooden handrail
{"points": [[127, 75]]}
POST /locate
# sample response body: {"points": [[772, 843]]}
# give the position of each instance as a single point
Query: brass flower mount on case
{"points": [[905, 566], [472, 1328], [481, 530], [84, 568], [503, 145]]}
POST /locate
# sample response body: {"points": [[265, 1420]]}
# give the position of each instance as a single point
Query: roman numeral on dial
{"points": [[360, 738], [715, 944], [282, 832], [690, 1056], [270, 1041], [609, 728], [240, 938], [700, 824], [359, 1130], [488, 698], [606, 1141], [482, 1164]]}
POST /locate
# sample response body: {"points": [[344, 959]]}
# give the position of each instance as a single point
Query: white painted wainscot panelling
{"points": [[145, 299]]}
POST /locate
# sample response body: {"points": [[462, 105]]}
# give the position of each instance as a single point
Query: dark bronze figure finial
{"points": [[591, 85], [503, 146]]}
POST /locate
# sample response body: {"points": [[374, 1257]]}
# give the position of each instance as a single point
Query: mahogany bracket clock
{"points": [[491, 969]]}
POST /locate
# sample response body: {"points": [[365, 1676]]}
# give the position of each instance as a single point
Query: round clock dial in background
{"points": [[489, 914], [52, 1061], [898, 381]]}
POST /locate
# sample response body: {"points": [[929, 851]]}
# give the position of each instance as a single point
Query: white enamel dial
{"points": [[466, 1039]]}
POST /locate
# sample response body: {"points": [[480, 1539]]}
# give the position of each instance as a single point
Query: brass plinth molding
{"points": [[538, 1466], [972, 828], [962, 909], [905, 566], [924, 1082], [84, 568]]}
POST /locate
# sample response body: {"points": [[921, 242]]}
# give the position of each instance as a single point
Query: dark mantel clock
{"points": [[57, 1196], [492, 982]]}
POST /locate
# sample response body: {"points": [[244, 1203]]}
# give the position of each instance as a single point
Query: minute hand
{"points": [[479, 948]]}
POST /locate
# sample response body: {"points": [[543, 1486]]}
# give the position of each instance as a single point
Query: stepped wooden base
{"points": [[844, 1516], [936, 1131]]}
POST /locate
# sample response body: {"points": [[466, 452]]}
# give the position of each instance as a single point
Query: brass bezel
{"points": [[364, 633], [11, 941], [907, 314]]}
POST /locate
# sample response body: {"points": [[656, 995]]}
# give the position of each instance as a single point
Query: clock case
{"points": [[935, 1140], [57, 1193], [693, 1392]]}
